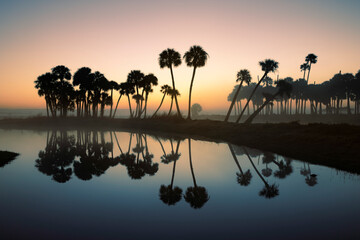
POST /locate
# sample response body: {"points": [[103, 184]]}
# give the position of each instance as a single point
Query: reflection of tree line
{"points": [[89, 154], [284, 169]]}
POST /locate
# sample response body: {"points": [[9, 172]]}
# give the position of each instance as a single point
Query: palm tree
{"points": [[310, 59], [121, 88], [112, 85], [136, 78], [303, 68], [197, 196], [149, 81], [173, 93], [169, 58], [61, 73], [242, 178], [165, 89], [285, 88], [196, 57], [45, 86], [268, 65], [84, 79], [242, 75]]}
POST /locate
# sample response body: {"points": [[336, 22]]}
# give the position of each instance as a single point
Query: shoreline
{"points": [[334, 146]]}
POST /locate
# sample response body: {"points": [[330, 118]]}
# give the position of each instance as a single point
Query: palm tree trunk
{"points": [[111, 107], [146, 99], [233, 101], [172, 100], [173, 83], [131, 114], [191, 85], [251, 95], [251, 118], [191, 166], [162, 100], [307, 81], [113, 116]]}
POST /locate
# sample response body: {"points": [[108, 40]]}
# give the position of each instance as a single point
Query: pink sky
{"points": [[115, 38]]}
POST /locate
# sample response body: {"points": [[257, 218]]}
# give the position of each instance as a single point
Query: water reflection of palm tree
{"points": [[57, 158], [136, 167], [267, 158], [310, 178], [269, 191], [94, 156], [170, 195], [197, 196], [243, 178], [173, 156], [285, 168]]}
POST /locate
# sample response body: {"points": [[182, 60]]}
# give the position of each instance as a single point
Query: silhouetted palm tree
{"points": [[165, 89], [242, 75], [310, 59], [196, 57], [169, 58], [304, 67], [197, 196], [267, 66], [173, 93], [149, 81], [84, 78], [46, 86]]}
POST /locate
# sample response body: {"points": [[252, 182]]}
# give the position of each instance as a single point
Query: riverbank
{"points": [[330, 145], [6, 157]]}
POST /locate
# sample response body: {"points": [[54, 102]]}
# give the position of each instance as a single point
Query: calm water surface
{"points": [[120, 185]]}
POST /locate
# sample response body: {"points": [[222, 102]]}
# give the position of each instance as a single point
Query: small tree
{"points": [[196, 109]]}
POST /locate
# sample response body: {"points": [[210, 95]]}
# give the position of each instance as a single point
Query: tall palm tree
{"points": [[165, 90], [121, 88], [84, 79], [149, 81], [310, 59], [136, 78], [242, 75], [61, 73], [268, 65], [169, 58], [113, 86], [173, 93], [197, 196], [196, 57], [285, 88], [45, 86], [303, 68]]}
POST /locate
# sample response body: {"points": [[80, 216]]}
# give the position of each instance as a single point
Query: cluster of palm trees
{"points": [[91, 91], [286, 96]]}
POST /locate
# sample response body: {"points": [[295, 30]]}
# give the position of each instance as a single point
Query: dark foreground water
{"points": [[119, 185]]}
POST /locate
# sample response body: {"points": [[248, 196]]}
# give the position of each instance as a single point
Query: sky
{"points": [[115, 37]]}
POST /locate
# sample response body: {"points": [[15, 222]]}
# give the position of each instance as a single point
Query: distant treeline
{"points": [[325, 98]]}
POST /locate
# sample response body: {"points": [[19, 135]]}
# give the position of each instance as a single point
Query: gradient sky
{"points": [[115, 37]]}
